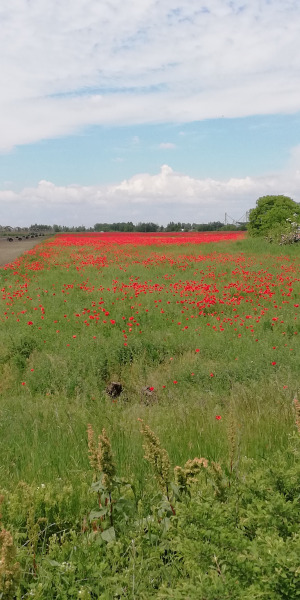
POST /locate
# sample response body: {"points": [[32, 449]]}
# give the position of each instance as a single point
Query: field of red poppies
{"points": [[197, 318], [199, 329]]}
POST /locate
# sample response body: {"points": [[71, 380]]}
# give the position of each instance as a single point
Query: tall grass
{"points": [[55, 371]]}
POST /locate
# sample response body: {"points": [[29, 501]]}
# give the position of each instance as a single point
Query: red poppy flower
{"points": [[218, 417], [274, 363], [30, 323]]}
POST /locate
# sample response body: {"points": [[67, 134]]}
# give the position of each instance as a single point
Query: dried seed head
{"points": [[193, 467], [156, 456], [297, 413], [106, 463], [9, 569], [92, 450], [180, 477]]}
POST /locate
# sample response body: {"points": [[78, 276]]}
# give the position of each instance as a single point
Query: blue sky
{"points": [[211, 148], [138, 110]]}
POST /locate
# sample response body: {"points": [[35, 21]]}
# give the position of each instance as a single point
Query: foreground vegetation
{"points": [[204, 340]]}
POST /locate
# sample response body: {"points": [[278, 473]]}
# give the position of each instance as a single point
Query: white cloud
{"points": [[163, 197], [167, 146], [65, 65]]}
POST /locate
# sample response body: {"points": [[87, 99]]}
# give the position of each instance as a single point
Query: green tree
{"points": [[272, 212], [147, 227], [173, 226]]}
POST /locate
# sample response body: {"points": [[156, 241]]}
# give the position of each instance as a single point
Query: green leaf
{"points": [[97, 486], [109, 535], [97, 514], [52, 563]]}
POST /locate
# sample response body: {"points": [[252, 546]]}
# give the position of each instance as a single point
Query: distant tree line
{"points": [[152, 227], [146, 227]]}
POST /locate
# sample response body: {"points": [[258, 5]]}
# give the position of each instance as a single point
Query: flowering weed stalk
{"points": [[9, 567], [297, 413], [113, 494], [157, 457]]}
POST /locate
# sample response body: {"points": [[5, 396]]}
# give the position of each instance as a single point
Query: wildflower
{"points": [[211, 374], [23, 382], [274, 363], [112, 321], [197, 350], [30, 323], [74, 336], [175, 381]]}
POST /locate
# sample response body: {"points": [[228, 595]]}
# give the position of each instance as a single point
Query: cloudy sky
{"points": [[145, 110]]}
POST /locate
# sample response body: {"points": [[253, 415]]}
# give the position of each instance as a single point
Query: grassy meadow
{"points": [[203, 336]]}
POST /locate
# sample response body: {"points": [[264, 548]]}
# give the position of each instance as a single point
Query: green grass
{"points": [[234, 534], [43, 423]]}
